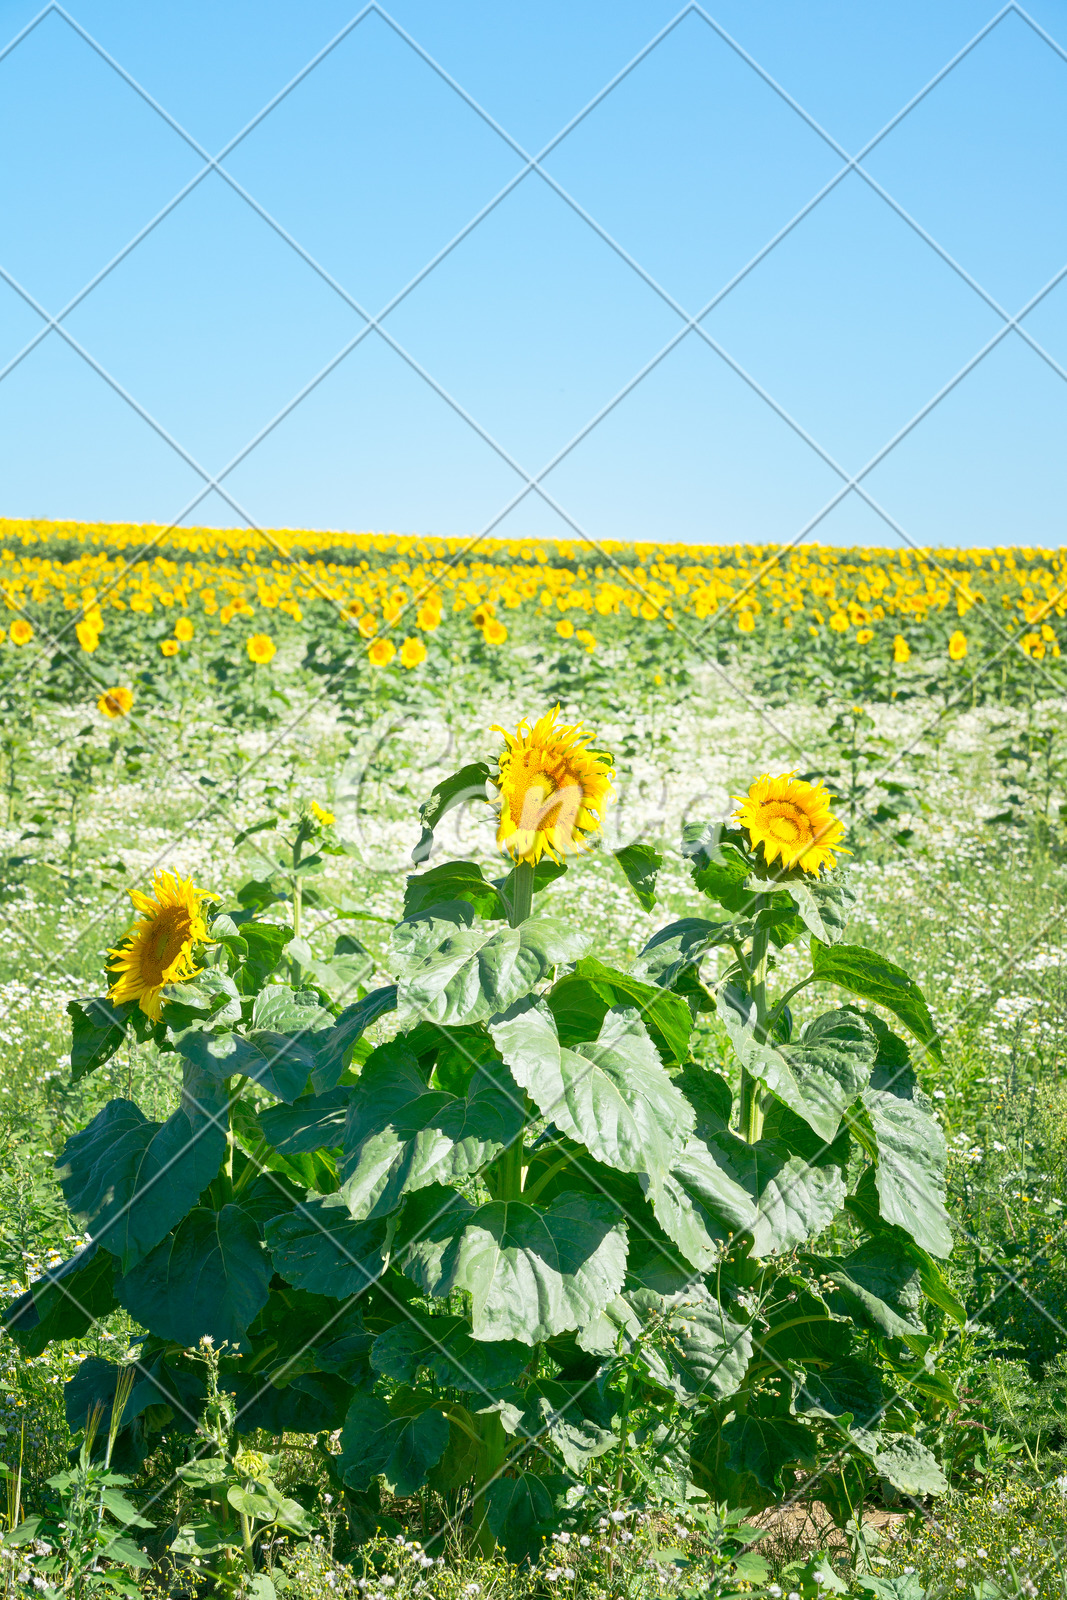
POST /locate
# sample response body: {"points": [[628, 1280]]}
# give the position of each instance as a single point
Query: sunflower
{"points": [[183, 629], [957, 646], [21, 631], [169, 647], [322, 816], [553, 789], [115, 702], [412, 653], [792, 820], [88, 637], [159, 948], [901, 649], [565, 628], [494, 632], [261, 648], [381, 652]]}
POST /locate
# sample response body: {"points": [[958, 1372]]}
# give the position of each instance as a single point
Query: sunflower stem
{"points": [[522, 888]]}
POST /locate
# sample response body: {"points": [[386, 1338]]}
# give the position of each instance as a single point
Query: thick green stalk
{"points": [[522, 887], [491, 1458], [751, 1093]]}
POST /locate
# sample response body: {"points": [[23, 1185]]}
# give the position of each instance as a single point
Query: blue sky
{"points": [[536, 322]]}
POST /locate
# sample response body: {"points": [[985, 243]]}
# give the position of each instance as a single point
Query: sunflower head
{"points": [[412, 653], [793, 822], [261, 648], [115, 702], [552, 789], [21, 631], [159, 947], [323, 817]]}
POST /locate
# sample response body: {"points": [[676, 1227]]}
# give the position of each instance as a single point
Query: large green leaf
{"points": [[333, 1049], [277, 1062], [906, 1463], [910, 1156], [465, 785], [97, 1030], [403, 1135], [64, 1302], [453, 880], [611, 1095], [757, 1451], [707, 1350], [718, 865], [210, 1276], [724, 1187], [825, 904], [446, 1347], [850, 1389], [879, 1285], [450, 971], [279, 1009], [870, 976], [864, 1205], [320, 1249], [703, 1203], [581, 1000], [678, 946], [531, 1271], [641, 864], [559, 1412], [129, 1180], [401, 1448], [520, 1512], [820, 1075], [314, 1122]]}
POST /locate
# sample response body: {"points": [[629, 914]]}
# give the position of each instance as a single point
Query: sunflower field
{"points": [[531, 1070]]}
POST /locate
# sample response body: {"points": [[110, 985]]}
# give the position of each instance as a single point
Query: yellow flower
{"points": [[183, 629], [564, 628], [746, 622], [261, 648], [169, 647], [839, 622], [412, 652], [428, 617], [1047, 633], [115, 702], [159, 948], [368, 625], [957, 646], [553, 789], [792, 820], [588, 639], [1030, 642], [381, 652], [865, 635], [88, 637], [494, 632], [21, 631], [321, 814], [901, 650]]}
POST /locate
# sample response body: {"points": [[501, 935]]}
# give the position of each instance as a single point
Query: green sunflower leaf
{"points": [[128, 1180], [402, 1134], [402, 1449], [872, 977], [450, 972], [531, 1272], [612, 1095], [210, 1276]]}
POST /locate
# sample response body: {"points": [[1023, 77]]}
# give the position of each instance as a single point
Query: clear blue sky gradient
{"points": [[534, 323]]}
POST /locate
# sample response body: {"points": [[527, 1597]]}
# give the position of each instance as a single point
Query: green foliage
{"points": [[527, 1230]]}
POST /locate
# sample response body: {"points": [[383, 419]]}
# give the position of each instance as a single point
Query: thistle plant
{"points": [[525, 1241]]}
